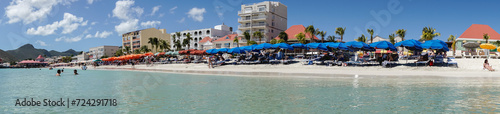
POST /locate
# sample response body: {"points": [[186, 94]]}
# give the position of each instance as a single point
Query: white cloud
{"points": [[127, 26], [172, 10], [125, 11], [150, 24], [93, 23], [128, 14], [196, 14], [155, 9], [42, 43], [182, 20], [88, 36], [69, 40], [69, 24], [29, 11], [103, 34], [90, 1]]}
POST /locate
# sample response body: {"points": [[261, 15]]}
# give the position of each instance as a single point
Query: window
{"points": [[218, 45], [261, 23], [248, 10], [247, 17], [262, 8], [227, 45], [272, 23], [272, 31]]}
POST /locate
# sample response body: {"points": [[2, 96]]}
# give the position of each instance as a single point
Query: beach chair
{"points": [[475, 55], [439, 60], [467, 55], [451, 61], [483, 54]]}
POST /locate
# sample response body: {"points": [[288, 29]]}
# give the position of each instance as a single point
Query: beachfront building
{"points": [[226, 41], [294, 30], [199, 34], [206, 43], [136, 39], [98, 52], [268, 17], [79, 58], [378, 38], [475, 34]]}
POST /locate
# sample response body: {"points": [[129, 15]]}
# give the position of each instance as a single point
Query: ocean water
{"points": [[145, 92]]}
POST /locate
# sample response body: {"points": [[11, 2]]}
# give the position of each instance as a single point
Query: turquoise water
{"points": [[142, 92]]}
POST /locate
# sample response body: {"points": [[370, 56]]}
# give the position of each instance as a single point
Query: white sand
{"points": [[466, 68]]}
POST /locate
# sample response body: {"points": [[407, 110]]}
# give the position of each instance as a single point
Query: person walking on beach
{"points": [[487, 66], [209, 60]]}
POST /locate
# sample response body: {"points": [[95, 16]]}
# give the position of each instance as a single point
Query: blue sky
{"points": [[81, 24]]}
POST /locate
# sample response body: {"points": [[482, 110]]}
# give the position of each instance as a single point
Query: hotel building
{"points": [[268, 17], [198, 35], [136, 39], [226, 41], [98, 52]]}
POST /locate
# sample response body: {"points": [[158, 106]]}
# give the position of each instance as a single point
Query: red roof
{"points": [[40, 57], [227, 38], [206, 39], [294, 30], [476, 31]]}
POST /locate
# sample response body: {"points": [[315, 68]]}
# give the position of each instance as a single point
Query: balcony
{"points": [[262, 17], [249, 12], [253, 25]]}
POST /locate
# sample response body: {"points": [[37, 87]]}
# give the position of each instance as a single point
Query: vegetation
{"points": [[283, 35], [273, 41], [154, 43], [322, 34], [301, 38], [281, 41], [259, 35], [429, 33], [119, 53], [247, 37], [340, 31], [392, 38], [331, 39], [187, 41], [313, 32], [164, 45], [126, 49], [66, 59], [401, 33], [104, 56], [177, 42], [237, 41], [362, 38], [453, 41], [251, 42], [144, 49], [486, 37], [371, 34], [137, 51]]}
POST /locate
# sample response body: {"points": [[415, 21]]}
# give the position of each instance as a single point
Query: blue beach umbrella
{"points": [[320, 46], [337, 45], [298, 45], [263, 46], [410, 44], [248, 48], [355, 45], [282, 46], [435, 44], [212, 51], [383, 45], [237, 50], [222, 50]]}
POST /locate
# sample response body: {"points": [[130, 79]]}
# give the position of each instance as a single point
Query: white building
{"points": [[198, 35], [98, 52], [268, 17], [79, 58]]}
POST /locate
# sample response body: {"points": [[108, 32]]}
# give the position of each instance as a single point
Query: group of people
{"points": [[59, 71]]}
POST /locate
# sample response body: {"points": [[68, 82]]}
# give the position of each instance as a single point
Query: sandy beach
{"points": [[466, 68]]}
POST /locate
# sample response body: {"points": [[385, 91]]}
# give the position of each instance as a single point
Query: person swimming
{"points": [[58, 72], [76, 72]]}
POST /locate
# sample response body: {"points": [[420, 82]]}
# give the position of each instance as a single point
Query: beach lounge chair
{"points": [[467, 55], [439, 60], [483, 55], [475, 54], [451, 61]]}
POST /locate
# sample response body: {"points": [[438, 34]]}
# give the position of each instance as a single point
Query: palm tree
{"points": [[340, 31], [429, 33], [313, 32], [177, 45], [331, 39], [185, 42], [392, 38], [301, 38], [273, 41], [126, 49], [281, 41], [144, 49], [188, 41], [486, 37], [259, 35], [283, 35], [322, 34], [178, 34], [453, 41], [247, 37], [137, 51], [371, 34], [173, 39], [362, 38], [237, 41], [401, 33], [154, 42], [164, 45]]}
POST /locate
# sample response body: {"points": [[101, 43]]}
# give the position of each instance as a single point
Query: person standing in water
{"points": [[76, 72], [62, 70], [58, 72]]}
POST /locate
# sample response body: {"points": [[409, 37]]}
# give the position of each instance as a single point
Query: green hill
{"points": [[28, 51], [6, 57]]}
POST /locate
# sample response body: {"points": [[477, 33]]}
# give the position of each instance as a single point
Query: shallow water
{"points": [[145, 92]]}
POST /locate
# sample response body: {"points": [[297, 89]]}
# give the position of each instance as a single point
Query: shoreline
{"points": [[467, 68]]}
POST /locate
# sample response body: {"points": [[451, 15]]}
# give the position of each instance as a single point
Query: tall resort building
{"points": [[198, 35], [268, 17], [136, 39]]}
